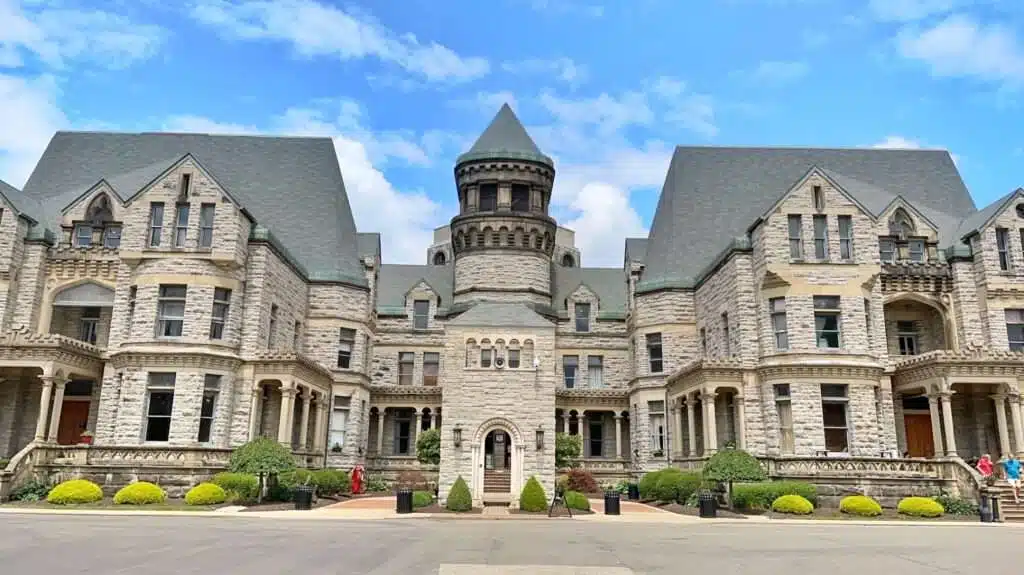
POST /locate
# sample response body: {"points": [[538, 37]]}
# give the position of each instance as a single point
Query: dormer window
{"points": [[420, 313], [112, 237], [582, 317], [488, 197], [83, 236]]}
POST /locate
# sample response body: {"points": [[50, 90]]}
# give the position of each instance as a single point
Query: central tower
{"points": [[503, 237]]}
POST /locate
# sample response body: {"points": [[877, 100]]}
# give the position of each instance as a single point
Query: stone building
{"points": [[848, 316]]}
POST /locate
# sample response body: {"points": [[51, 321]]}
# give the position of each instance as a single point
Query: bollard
{"points": [[611, 502]]}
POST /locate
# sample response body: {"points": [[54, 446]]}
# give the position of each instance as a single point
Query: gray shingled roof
{"points": [[505, 139], [608, 283], [291, 186], [368, 244], [493, 314], [21, 203], [396, 280], [636, 250], [977, 220], [712, 194]]}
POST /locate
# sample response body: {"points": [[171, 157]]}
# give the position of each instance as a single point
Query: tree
{"points": [[264, 458], [567, 450], [428, 447], [733, 465]]}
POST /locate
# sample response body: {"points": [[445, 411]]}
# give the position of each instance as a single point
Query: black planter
{"points": [[611, 502], [634, 492], [403, 501], [303, 495], [708, 505]]}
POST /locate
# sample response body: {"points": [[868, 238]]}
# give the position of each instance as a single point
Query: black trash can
{"points": [[634, 492], [996, 515], [303, 497], [706, 500], [404, 501], [985, 509], [611, 502]]}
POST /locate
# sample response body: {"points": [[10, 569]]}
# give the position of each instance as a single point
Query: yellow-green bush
{"points": [[577, 500], [920, 507], [74, 492], [205, 494], [139, 493], [239, 486], [860, 505], [793, 504]]}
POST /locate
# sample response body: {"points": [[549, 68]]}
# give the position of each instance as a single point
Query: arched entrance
{"points": [[497, 462]]}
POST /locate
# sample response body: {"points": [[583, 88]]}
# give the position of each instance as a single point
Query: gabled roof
{"points": [[978, 220], [396, 280], [505, 139], [291, 186], [17, 199], [609, 284], [712, 193], [495, 314]]}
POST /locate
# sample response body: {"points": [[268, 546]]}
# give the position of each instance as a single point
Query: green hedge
{"points": [[676, 486], [860, 505], [140, 493], [760, 496], [459, 498], [238, 486], [532, 497], [206, 494], [332, 482], [577, 500], [74, 492], [793, 504], [920, 507], [421, 499]]}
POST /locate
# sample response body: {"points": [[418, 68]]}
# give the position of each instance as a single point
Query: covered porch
{"points": [[290, 402], [397, 416], [707, 408]]}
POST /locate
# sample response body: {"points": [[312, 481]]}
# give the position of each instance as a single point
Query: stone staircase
{"points": [[1010, 512], [497, 481]]}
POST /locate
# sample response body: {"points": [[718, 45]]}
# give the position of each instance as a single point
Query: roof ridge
{"points": [[807, 148], [206, 134]]}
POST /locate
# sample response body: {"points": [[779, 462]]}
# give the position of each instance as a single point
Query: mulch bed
{"points": [[290, 505], [435, 508], [833, 514], [558, 512], [693, 511]]}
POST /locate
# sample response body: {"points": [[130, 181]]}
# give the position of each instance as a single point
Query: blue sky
{"points": [[606, 88]]}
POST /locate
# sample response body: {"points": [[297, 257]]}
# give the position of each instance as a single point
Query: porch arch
{"points": [[945, 312]]}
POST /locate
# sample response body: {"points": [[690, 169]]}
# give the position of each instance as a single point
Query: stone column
{"points": [[947, 423], [933, 412], [901, 426], [44, 407], [307, 401], [710, 423], [380, 431], [319, 418], [741, 412], [691, 426], [435, 416], [286, 420], [618, 436], [255, 409], [677, 430], [416, 430], [58, 405], [565, 421], [1004, 433], [1018, 430]]}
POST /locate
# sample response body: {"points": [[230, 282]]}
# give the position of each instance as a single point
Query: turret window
{"points": [[520, 198], [488, 197]]}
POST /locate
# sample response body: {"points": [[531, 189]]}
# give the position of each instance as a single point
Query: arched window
{"points": [[527, 353], [471, 352], [440, 259], [99, 211], [900, 224], [568, 261]]}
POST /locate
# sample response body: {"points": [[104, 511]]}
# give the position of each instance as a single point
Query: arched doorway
{"points": [[497, 462], [498, 452]]}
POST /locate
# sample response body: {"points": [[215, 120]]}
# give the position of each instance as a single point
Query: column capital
{"points": [[48, 379], [1000, 397], [708, 395], [617, 416], [289, 392]]}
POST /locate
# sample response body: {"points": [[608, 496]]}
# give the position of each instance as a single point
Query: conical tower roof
{"points": [[505, 139]]}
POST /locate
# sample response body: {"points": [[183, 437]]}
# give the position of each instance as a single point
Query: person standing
{"points": [[1011, 466]]}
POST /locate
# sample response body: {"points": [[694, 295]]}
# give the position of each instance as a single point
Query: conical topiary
{"points": [[533, 498], [459, 498]]}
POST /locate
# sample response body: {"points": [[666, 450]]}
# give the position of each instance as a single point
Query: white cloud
{"points": [[319, 29], [29, 115], [778, 72], [961, 46], [909, 10], [902, 143], [564, 70], [604, 218]]}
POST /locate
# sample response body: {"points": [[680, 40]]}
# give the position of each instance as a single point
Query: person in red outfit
{"points": [[985, 466]]}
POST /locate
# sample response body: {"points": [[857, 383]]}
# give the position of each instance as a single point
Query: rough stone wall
{"points": [[270, 281], [730, 291], [673, 315], [356, 430], [331, 308], [19, 408], [12, 254], [495, 275], [30, 286], [930, 329], [965, 299]]}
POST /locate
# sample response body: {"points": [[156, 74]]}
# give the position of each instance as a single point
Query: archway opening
{"points": [[497, 462]]}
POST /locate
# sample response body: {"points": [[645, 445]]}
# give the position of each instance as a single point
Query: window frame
{"points": [[820, 223], [490, 207], [892, 251], [272, 326], [1014, 342], [406, 360], [180, 226], [166, 321], [595, 371], [824, 313], [156, 223], [207, 213], [421, 314], [346, 347], [570, 370], [907, 338], [584, 318], [112, 233], [727, 344], [431, 363], [211, 392], [1003, 248], [845, 237], [843, 400], [339, 411], [162, 383], [219, 312], [794, 223], [774, 314], [83, 240], [519, 206], [514, 358], [653, 342], [784, 412]]}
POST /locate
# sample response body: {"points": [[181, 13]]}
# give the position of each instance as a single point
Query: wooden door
{"points": [[919, 434], [74, 418]]}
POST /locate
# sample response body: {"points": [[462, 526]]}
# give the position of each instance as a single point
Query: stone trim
{"points": [[411, 392], [174, 359]]}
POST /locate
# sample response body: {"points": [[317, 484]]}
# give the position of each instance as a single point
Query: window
{"points": [[845, 237], [1022, 229], [570, 367], [867, 317], [485, 356], [488, 197], [89, 325], [906, 336], [185, 184], [297, 336], [820, 237], [1003, 244], [339, 421], [520, 198], [156, 223], [406, 362], [568, 261], [346, 341], [656, 411], [206, 212], [219, 317], [367, 352], [826, 321], [654, 357], [159, 404], [833, 411], [887, 250], [431, 365], [796, 249], [211, 387], [1015, 329], [112, 237], [704, 341], [132, 293], [83, 236], [582, 317], [272, 327], [513, 358], [171, 311], [403, 435], [777, 313], [784, 409], [818, 197], [726, 344], [916, 249], [420, 313], [595, 370], [439, 259], [596, 444], [180, 225]]}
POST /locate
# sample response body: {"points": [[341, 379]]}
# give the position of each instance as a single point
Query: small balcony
{"points": [[83, 312]]}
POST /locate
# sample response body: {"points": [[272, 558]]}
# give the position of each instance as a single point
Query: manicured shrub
{"points": [[759, 496], [238, 486], [140, 493], [920, 507], [422, 499], [577, 500], [860, 505], [532, 497], [649, 482], [264, 458], [74, 492], [205, 494], [675, 486], [582, 481], [732, 465], [957, 505], [459, 498], [793, 504], [332, 481], [428, 446]]}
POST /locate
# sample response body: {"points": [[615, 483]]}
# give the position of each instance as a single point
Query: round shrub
{"points": [[238, 486], [860, 505], [139, 493], [793, 504], [582, 481], [74, 492], [205, 494], [577, 500], [920, 507], [649, 482], [332, 481], [759, 496], [421, 499], [459, 498], [676, 486], [532, 497]]}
